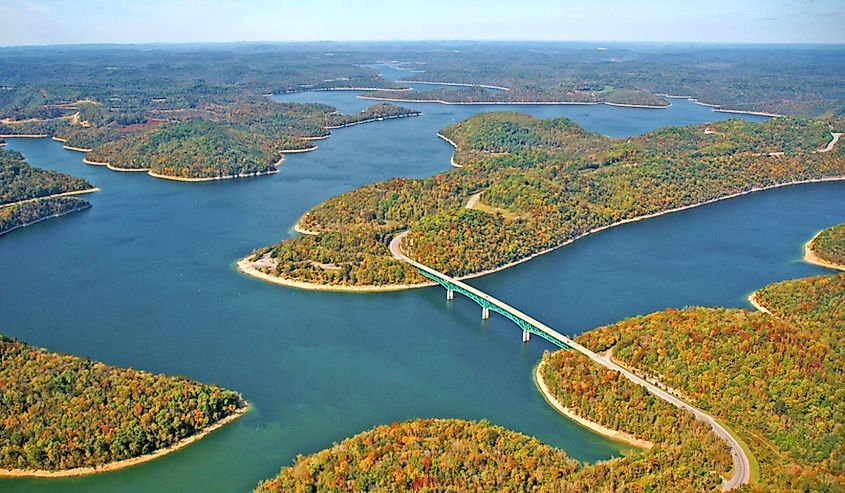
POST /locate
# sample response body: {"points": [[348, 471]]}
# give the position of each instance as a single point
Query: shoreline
{"points": [[306, 149], [371, 120], [82, 207], [299, 229], [440, 101], [647, 216], [616, 435], [244, 266], [328, 89], [452, 161], [70, 148], [516, 103], [718, 107], [643, 106], [752, 298], [23, 136], [317, 137], [397, 287], [122, 464], [63, 194], [178, 178], [457, 84], [811, 257]]}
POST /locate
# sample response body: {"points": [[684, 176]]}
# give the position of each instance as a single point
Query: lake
{"points": [[146, 279]]}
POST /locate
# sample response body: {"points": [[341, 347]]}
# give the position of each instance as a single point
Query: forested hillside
{"points": [[62, 412], [543, 183], [20, 181], [18, 215], [776, 379], [25, 192], [788, 80], [463, 456]]}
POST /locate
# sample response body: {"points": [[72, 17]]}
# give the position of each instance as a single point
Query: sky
{"points": [[38, 22]]}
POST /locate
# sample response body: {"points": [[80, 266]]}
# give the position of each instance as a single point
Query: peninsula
{"points": [[70, 416], [545, 183], [211, 142], [827, 248], [29, 195]]}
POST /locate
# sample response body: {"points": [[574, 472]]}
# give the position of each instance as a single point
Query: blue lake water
{"points": [[146, 279]]}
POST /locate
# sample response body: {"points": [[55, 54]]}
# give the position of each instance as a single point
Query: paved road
{"points": [[830, 145], [473, 200], [742, 466]]}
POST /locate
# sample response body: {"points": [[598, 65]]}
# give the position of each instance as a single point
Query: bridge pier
{"points": [[526, 336], [450, 295], [485, 313]]}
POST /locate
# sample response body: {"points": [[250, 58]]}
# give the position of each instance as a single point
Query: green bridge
{"points": [[742, 465], [528, 324], [488, 304]]}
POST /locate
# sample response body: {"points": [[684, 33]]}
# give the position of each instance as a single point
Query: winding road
{"points": [[741, 463]]}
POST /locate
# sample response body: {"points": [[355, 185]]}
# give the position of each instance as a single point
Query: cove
{"points": [[146, 279]]}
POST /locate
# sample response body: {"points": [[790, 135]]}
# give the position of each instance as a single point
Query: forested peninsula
{"points": [[207, 142], [68, 416], [29, 195], [827, 248], [536, 185], [775, 380]]}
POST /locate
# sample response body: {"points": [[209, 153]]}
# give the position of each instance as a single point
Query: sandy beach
{"points": [[811, 257], [114, 466], [452, 161], [70, 148], [752, 298], [326, 89], [299, 229], [644, 106], [620, 436], [211, 178]]}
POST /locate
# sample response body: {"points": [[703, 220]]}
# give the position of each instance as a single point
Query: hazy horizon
{"points": [[50, 22]]}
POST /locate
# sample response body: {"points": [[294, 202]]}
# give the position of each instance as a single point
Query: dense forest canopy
{"points": [[28, 194], [777, 379], [430, 455], [20, 181], [63, 412], [25, 213], [542, 183]]}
